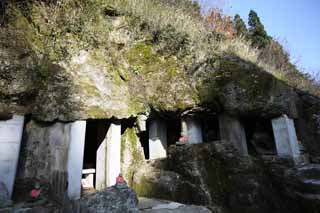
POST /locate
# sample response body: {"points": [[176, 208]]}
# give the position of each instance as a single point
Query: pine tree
{"points": [[240, 26], [257, 33]]}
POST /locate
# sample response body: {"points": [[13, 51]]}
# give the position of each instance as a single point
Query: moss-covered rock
{"points": [[132, 156], [243, 89]]}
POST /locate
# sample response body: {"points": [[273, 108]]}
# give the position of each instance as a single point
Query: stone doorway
{"points": [[259, 135], [210, 128], [96, 131], [173, 131]]}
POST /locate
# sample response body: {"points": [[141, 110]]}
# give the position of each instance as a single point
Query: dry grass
{"points": [[82, 20]]}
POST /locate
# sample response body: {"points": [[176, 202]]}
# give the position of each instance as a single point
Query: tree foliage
{"points": [[240, 26], [257, 33]]}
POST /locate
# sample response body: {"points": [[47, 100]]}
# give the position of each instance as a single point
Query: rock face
{"points": [[152, 180], [4, 196], [114, 199], [213, 174], [303, 183], [132, 155]]}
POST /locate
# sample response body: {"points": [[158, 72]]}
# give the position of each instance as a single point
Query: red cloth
{"points": [[35, 193], [119, 179]]}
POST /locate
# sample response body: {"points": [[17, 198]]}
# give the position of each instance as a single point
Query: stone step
{"points": [[311, 171], [309, 186], [309, 196]]}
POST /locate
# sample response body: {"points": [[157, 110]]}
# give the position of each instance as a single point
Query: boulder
{"points": [[4, 196], [115, 199]]}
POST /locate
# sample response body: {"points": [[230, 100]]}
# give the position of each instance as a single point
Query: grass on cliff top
{"points": [[59, 28], [159, 14]]}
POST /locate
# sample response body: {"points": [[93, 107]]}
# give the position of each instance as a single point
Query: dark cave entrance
{"points": [[142, 135], [144, 140], [96, 131], [173, 131], [259, 135], [210, 128]]}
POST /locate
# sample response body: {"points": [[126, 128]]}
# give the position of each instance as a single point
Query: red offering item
{"points": [[183, 139], [119, 179], [35, 193]]}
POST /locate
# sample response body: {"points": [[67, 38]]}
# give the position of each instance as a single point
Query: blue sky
{"points": [[296, 22]]}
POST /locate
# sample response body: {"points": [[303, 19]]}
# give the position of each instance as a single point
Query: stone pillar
{"points": [[157, 139], [113, 163], [75, 158], [232, 130], [101, 165], [10, 141], [191, 127], [285, 137], [142, 123]]}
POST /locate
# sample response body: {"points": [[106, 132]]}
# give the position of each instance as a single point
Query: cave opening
{"points": [[96, 131], [144, 140], [259, 135], [210, 128], [162, 129], [173, 131]]}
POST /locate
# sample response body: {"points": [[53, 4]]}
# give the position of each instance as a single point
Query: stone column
{"points": [[10, 141], [142, 123], [232, 130], [113, 163], [75, 158], [101, 161], [157, 139], [285, 137], [191, 127]]}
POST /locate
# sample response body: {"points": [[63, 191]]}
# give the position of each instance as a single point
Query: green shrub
{"points": [[172, 42]]}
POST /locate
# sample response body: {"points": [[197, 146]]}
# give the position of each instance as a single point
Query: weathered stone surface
{"points": [[243, 89], [153, 181], [159, 206], [49, 149], [285, 137], [4, 196], [113, 199], [44, 150], [132, 154], [307, 125], [232, 131], [216, 176]]}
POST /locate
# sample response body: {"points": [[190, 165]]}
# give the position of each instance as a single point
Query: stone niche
{"points": [[259, 135], [232, 130], [157, 138], [102, 153], [191, 128], [162, 132], [58, 154], [52, 154]]}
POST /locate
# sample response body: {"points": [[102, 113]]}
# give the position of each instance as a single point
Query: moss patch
{"points": [[96, 112]]}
